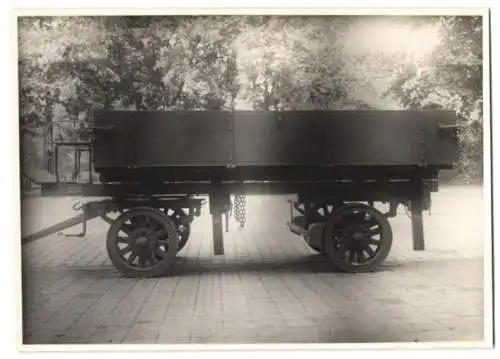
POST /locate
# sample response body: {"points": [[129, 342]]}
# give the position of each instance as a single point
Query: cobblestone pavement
{"points": [[268, 288]]}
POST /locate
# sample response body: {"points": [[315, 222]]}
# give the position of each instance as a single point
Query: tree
{"points": [[162, 64], [70, 66], [451, 79], [293, 63]]}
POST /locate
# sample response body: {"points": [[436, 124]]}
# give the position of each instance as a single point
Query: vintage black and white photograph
{"points": [[255, 179]]}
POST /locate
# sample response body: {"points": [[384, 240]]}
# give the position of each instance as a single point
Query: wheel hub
{"points": [[141, 241], [359, 239]]}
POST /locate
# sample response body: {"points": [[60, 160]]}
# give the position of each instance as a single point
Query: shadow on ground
{"points": [[186, 267]]}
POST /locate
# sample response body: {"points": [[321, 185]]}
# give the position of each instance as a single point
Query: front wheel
{"points": [[142, 242], [357, 238]]}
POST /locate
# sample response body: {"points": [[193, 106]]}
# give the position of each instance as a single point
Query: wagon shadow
{"points": [[307, 264], [186, 267]]}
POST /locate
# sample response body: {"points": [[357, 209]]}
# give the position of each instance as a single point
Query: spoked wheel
{"points": [[358, 238], [142, 242]]}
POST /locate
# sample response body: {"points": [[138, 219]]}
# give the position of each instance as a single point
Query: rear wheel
{"points": [[357, 238]]}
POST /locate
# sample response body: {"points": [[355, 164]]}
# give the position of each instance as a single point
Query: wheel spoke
{"points": [[125, 250], [160, 233], [351, 255], [338, 239], [370, 251], [359, 216], [345, 255], [369, 222], [160, 253], [142, 221], [374, 231], [125, 240], [132, 258], [127, 229], [154, 224], [341, 232], [142, 259], [152, 258], [133, 223], [375, 242], [361, 256], [162, 242]]}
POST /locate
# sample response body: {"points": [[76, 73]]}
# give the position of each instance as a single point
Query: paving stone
{"points": [[151, 313], [105, 305], [142, 333], [109, 334], [60, 322], [173, 335]]}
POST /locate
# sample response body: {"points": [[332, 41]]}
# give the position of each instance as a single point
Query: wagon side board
{"points": [[261, 145]]}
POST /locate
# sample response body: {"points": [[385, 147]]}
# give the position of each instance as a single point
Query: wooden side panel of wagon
{"points": [[279, 139], [343, 138], [258, 145], [163, 139]]}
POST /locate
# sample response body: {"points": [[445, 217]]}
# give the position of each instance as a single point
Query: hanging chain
{"points": [[239, 209]]}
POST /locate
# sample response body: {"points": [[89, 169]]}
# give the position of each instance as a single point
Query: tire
{"points": [[343, 243], [142, 242]]}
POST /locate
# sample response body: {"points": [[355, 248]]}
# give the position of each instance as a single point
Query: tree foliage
{"points": [[69, 67], [163, 64], [294, 63], [451, 78]]}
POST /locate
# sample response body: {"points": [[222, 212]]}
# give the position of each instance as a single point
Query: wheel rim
{"points": [[144, 240], [357, 236]]}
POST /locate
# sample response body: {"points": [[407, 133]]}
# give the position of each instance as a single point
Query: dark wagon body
{"points": [[285, 146], [153, 165]]}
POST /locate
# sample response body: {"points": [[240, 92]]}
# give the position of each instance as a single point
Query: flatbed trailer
{"points": [[156, 167]]}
